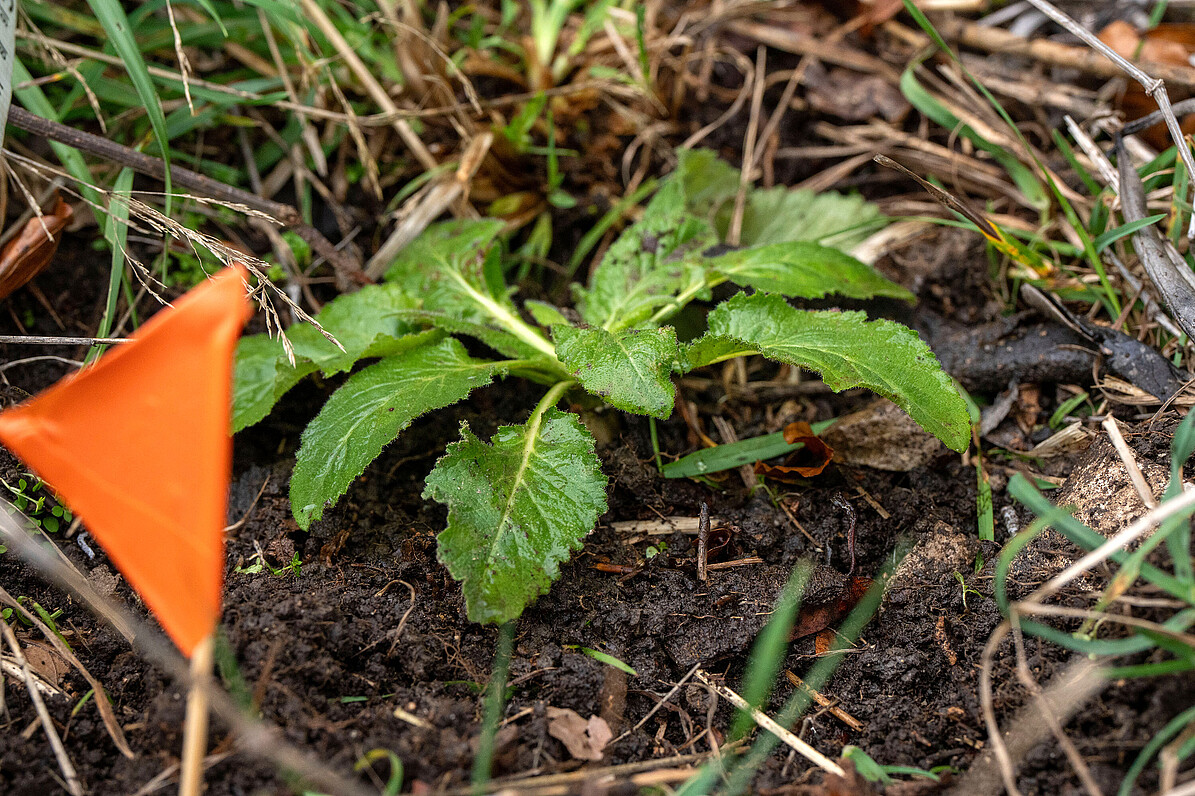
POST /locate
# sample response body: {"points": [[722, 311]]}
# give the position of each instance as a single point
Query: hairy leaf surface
{"points": [[496, 338], [630, 370], [369, 411], [366, 323], [805, 269], [445, 268], [262, 375], [644, 269], [781, 215], [847, 349], [517, 508], [454, 269]]}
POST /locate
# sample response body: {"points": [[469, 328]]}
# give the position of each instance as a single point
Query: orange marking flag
{"points": [[138, 446]]}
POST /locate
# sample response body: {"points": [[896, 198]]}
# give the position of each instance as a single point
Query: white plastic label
{"points": [[8, 22]]}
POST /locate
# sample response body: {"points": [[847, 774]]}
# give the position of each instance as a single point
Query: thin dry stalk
{"points": [[1154, 87], [825, 702], [1066, 694], [735, 231], [1118, 541], [1130, 462], [102, 702], [377, 92], [767, 723], [998, 40], [254, 737], [656, 708], [1047, 714], [308, 134], [425, 207], [64, 762]]}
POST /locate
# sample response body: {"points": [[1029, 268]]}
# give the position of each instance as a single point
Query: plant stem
{"points": [[508, 319], [494, 700], [549, 400], [685, 296]]}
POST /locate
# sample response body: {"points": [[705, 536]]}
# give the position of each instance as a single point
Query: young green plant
{"points": [[521, 503]]}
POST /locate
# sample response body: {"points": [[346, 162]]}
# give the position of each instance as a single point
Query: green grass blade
{"points": [[736, 454], [117, 234], [1172, 728], [116, 25], [1116, 233], [1179, 541]]}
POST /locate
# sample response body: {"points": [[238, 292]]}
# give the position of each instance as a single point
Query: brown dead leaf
{"points": [[46, 663], [584, 740], [817, 618], [883, 437], [1171, 43], [27, 255], [853, 97], [806, 462]]}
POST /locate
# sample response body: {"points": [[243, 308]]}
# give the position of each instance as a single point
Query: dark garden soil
{"points": [[365, 644]]}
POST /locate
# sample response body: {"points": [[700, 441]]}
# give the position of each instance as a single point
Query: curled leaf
{"points": [[805, 462], [584, 740], [28, 254]]}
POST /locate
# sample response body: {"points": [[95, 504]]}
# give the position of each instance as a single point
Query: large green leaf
{"points": [[369, 411], [631, 369], [642, 270], [847, 349], [366, 323], [498, 339], [517, 508], [805, 269], [455, 271], [772, 215], [781, 215], [262, 377]]}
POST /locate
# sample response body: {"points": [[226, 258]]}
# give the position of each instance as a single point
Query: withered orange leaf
{"points": [[816, 618], [806, 462], [27, 255]]}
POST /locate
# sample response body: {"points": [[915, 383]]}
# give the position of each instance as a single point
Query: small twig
{"points": [[738, 562], [1130, 462], [245, 517], [703, 541], [102, 703], [825, 702], [64, 762], [32, 339], [192, 181], [658, 705], [663, 527], [766, 722]]}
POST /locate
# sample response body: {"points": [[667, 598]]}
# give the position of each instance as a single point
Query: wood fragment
{"points": [[825, 702], [767, 723]]}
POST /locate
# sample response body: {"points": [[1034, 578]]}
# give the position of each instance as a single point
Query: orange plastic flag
{"points": [[138, 446]]}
